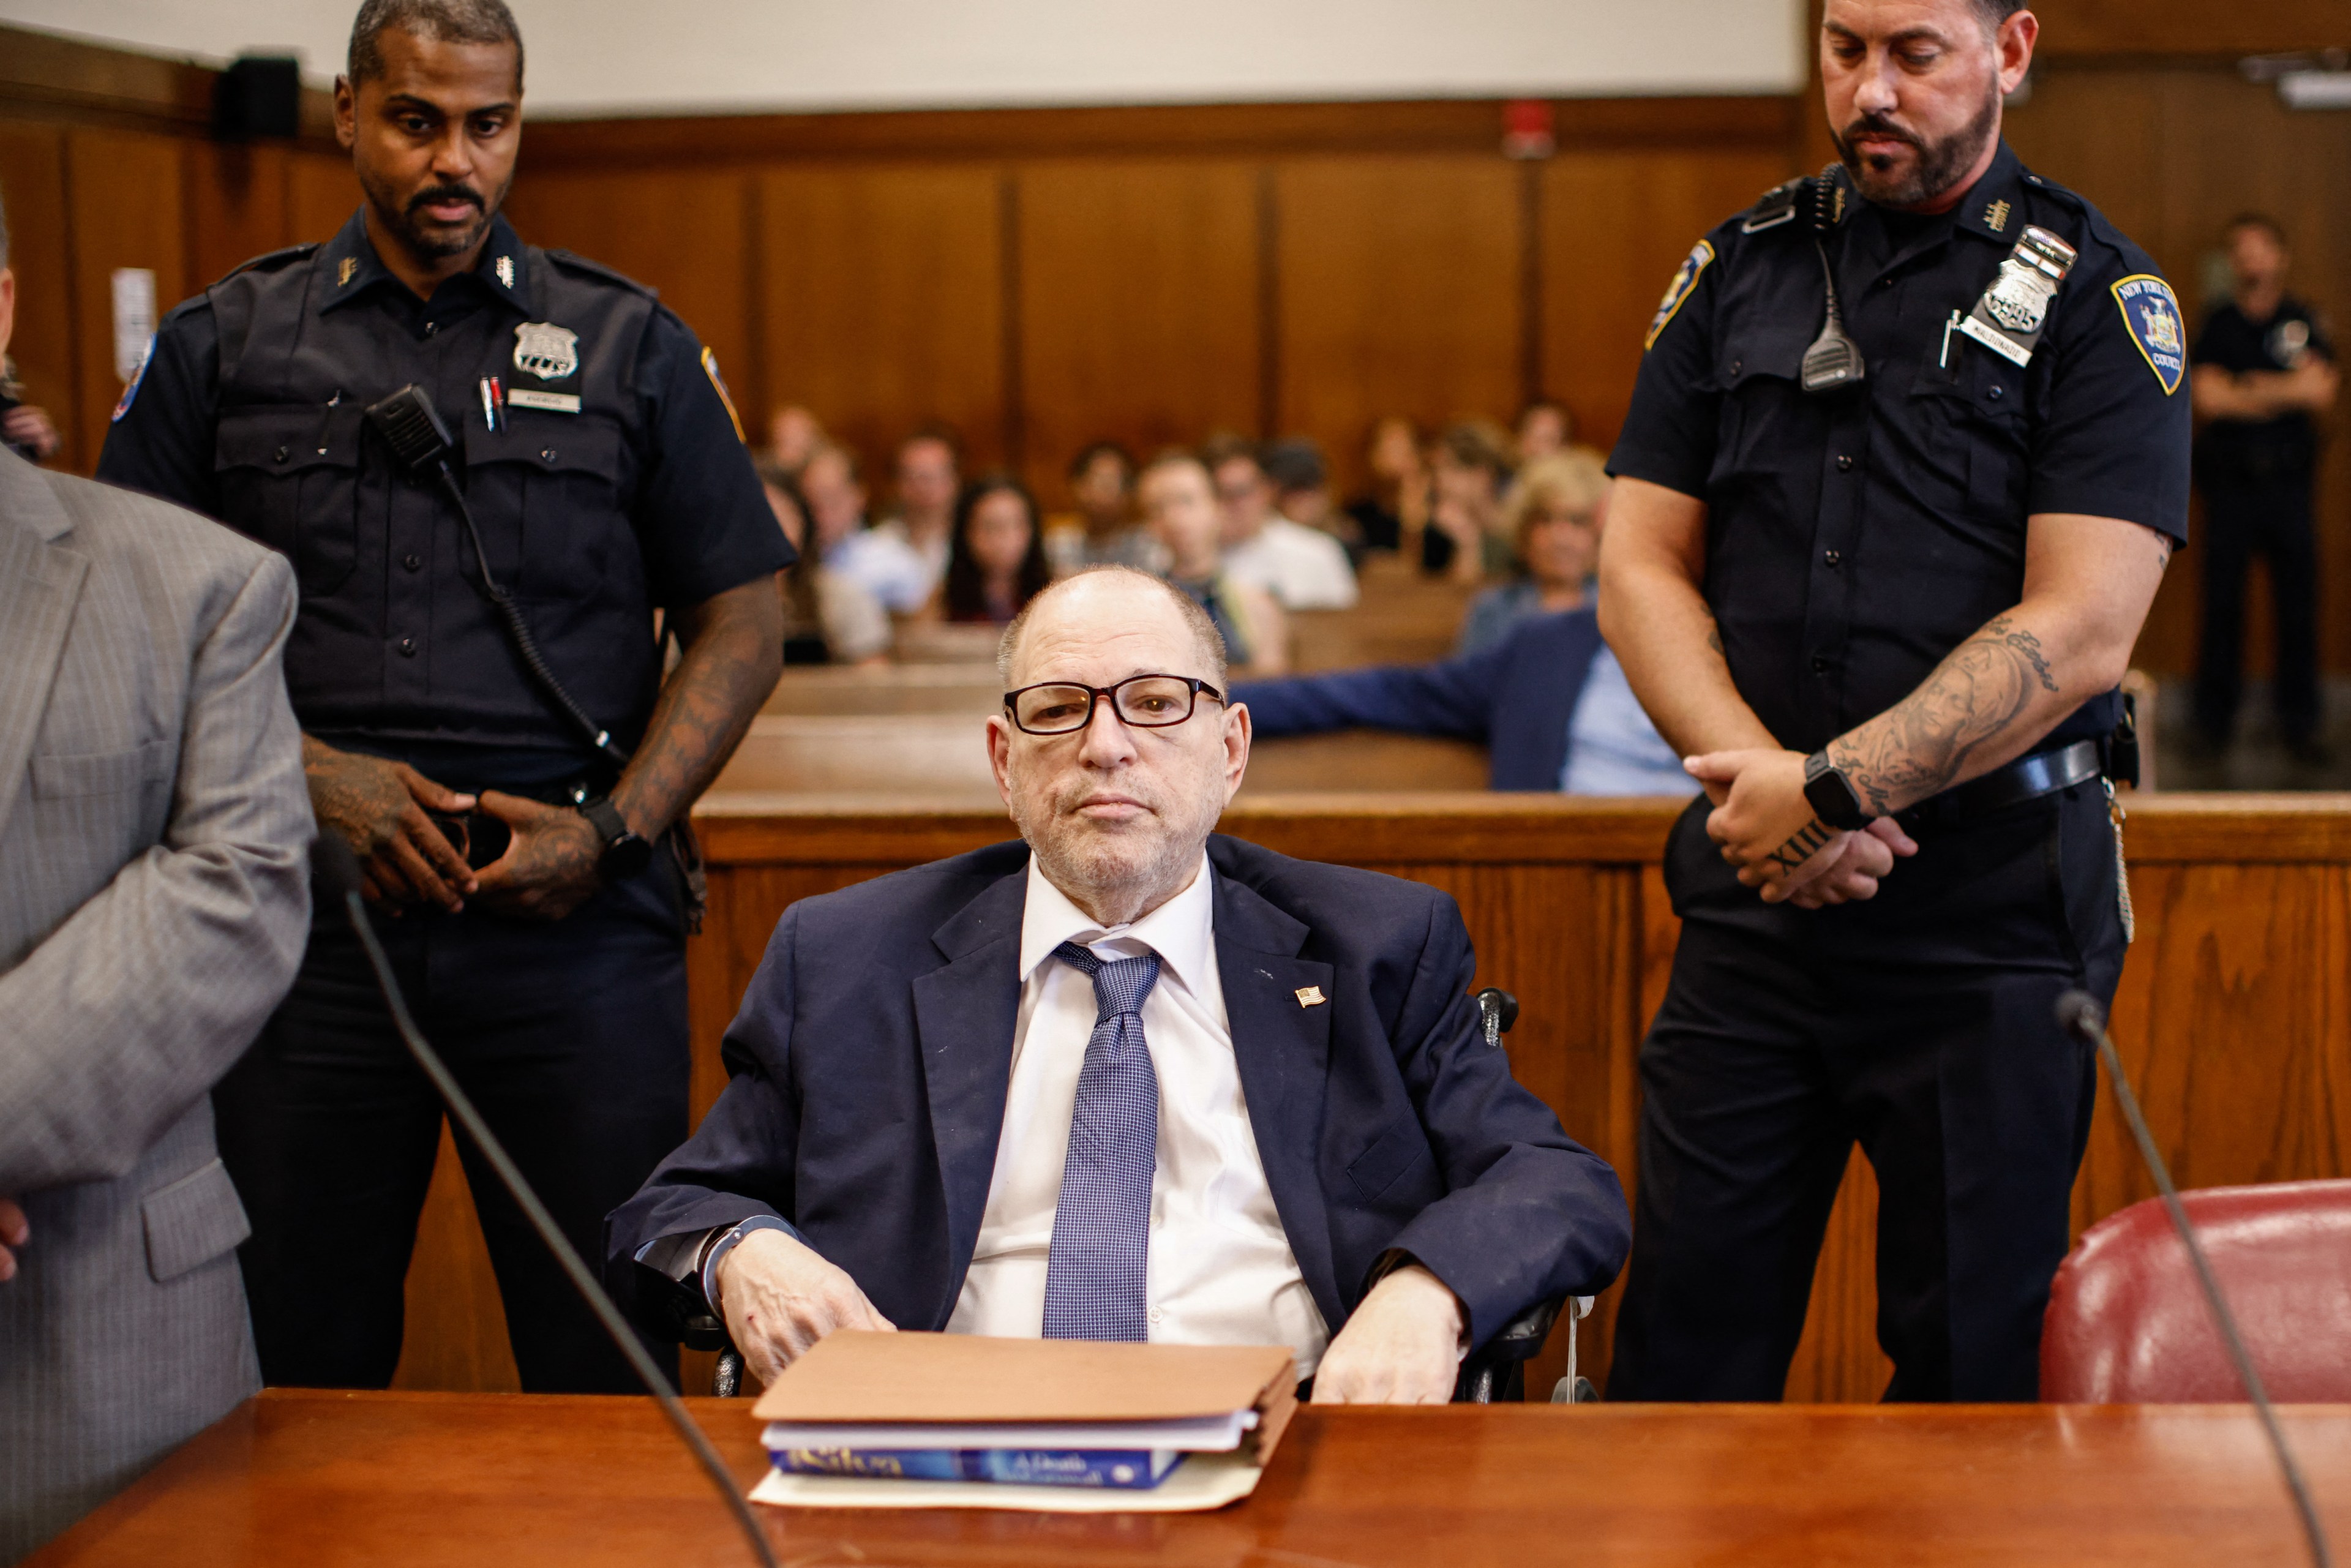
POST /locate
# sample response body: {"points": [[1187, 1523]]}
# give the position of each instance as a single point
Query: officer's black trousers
{"points": [[2270, 517], [571, 1039], [1921, 1024]]}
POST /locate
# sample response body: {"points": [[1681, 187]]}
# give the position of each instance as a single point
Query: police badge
{"points": [[2008, 320], [2152, 318], [546, 350], [2287, 343]]}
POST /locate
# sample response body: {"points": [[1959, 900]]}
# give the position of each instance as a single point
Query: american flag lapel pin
{"points": [[1310, 995]]}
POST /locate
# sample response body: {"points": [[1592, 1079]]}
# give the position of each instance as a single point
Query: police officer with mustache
{"points": [[485, 716], [1907, 456]]}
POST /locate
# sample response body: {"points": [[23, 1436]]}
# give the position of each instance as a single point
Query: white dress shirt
{"points": [[1221, 1269], [1303, 568]]}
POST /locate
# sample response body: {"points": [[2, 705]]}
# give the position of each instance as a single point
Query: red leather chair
{"points": [[2128, 1323]]}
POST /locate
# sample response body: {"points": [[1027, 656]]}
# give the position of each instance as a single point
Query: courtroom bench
{"points": [[2233, 1014]]}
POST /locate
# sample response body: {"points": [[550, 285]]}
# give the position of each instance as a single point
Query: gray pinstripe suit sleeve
{"points": [[125, 1015]]}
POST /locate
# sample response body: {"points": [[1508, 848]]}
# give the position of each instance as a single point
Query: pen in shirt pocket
{"points": [[493, 399]]}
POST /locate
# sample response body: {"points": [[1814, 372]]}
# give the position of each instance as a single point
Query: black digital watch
{"points": [[626, 852], [1832, 797]]}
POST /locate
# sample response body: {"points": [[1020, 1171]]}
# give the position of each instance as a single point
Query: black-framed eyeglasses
{"points": [[1142, 702]]}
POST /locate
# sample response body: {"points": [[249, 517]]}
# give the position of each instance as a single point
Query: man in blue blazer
{"points": [[1125, 1079], [1547, 699]]}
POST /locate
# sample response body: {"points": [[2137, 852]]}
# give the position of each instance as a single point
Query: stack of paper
{"points": [[924, 1420]]}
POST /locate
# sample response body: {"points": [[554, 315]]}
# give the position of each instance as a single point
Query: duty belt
{"points": [[2027, 779]]}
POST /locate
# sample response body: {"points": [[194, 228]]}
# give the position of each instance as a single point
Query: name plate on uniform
{"points": [[551, 403]]}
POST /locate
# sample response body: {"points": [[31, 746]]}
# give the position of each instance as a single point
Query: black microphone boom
{"points": [[337, 869], [2079, 1015]]}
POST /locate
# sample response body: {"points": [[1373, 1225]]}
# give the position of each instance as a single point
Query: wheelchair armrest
{"points": [[1523, 1335]]}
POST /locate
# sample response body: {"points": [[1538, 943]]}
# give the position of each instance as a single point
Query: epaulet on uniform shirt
{"points": [[271, 261], [596, 269], [1776, 207]]}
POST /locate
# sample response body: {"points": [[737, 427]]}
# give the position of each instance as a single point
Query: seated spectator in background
{"points": [[1464, 540], [1125, 1078], [1102, 531], [1553, 515], [929, 475], [1179, 503], [1302, 493], [1546, 697], [1544, 430], [25, 430], [827, 619], [996, 564], [1391, 513], [793, 437], [883, 565], [1548, 701], [1301, 568]]}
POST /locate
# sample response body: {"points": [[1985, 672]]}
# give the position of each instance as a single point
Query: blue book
{"points": [[1137, 1469]]}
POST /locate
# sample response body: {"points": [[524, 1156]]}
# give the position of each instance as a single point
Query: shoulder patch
{"points": [[2152, 316], [718, 385], [571, 263], [130, 389], [269, 261], [1685, 280]]}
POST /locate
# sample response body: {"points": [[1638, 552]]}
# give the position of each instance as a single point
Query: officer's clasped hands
{"points": [[380, 807], [550, 866], [1768, 829]]}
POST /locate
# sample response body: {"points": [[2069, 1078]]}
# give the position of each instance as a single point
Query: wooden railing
{"points": [[2234, 1014]]}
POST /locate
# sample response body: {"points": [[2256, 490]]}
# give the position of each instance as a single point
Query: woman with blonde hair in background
{"points": [[1553, 520]]}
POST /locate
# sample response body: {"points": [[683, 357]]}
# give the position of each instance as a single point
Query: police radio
{"points": [[412, 428], [1834, 360]]}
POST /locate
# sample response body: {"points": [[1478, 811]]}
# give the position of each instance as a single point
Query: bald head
{"points": [[1117, 812], [1106, 599]]}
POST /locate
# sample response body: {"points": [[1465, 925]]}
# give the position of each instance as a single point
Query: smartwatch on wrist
{"points": [[626, 852], [1831, 795]]}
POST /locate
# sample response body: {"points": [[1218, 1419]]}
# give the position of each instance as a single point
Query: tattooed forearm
{"points": [[1921, 744], [733, 652]]}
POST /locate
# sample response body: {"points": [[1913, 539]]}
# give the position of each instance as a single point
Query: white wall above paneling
{"points": [[623, 56]]}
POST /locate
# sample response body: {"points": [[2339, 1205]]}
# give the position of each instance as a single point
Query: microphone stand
{"points": [[2080, 1016], [339, 871]]}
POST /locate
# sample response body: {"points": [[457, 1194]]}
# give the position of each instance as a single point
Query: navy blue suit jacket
{"points": [[1515, 696], [870, 1059]]}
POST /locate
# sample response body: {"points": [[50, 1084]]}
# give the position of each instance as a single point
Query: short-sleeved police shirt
{"points": [[1855, 538], [2282, 447], [607, 476]]}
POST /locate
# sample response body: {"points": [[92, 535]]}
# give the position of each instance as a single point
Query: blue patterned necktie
{"points": [[1096, 1275]]}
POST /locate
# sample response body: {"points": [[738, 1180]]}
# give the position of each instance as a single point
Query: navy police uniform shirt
{"points": [[1855, 538], [2256, 449], [613, 480]]}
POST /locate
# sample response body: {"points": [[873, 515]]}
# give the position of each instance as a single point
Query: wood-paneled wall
{"points": [[84, 200], [1039, 278], [2233, 1016]]}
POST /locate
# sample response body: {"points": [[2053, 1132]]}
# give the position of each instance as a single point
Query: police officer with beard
{"points": [[516, 826], [1906, 458]]}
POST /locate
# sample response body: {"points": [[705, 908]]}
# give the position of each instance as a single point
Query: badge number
{"points": [[2151, 315], [1685, 281]]}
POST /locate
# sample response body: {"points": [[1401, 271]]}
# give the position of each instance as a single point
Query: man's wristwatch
{"points": [[626, 852], [1832, 797]]}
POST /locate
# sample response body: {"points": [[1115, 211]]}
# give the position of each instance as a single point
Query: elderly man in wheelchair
{"points": [[1125, 1078]]}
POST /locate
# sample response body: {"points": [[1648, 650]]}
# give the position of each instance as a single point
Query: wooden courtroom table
{"points": [[310, 1478]]}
